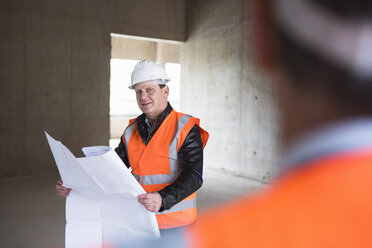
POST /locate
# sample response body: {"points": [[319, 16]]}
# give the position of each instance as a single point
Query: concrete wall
{"points": [[221, 86], [54, 76], [122, 48], [54, 71], [139, 49]]}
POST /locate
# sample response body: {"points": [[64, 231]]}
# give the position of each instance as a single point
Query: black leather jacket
{"points": [[190, 157]]}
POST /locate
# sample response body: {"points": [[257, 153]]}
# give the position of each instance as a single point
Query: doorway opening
{"points": [[126, 51]]}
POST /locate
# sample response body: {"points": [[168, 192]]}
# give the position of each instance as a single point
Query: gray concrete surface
{"points": [[54, 74], [220, 85], [55, 71], [136, 48], [32, 215]]}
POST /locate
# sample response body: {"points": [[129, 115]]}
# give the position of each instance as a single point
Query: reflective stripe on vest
{"points": [[136, 177], [155, 165], [173, 156], [173, 162], [128, 132], [183, 205]]}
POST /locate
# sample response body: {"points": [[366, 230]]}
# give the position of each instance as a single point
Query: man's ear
{"points": [[166, 90]]}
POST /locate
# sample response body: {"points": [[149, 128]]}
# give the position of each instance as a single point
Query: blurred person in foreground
{"points": [[319, 53], [164, 149]]}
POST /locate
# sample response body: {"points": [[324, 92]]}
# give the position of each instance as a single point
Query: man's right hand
{"points": [[61, 190]]}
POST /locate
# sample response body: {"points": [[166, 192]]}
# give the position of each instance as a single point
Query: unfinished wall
{"points": [[221, 86], [54, 71], [139, 49]]}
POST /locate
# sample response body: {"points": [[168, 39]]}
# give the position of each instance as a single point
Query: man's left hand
{"points": [[151, 201]]}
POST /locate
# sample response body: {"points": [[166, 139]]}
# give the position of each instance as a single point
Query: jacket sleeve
{"points": [[122, 152], [190, 179]]}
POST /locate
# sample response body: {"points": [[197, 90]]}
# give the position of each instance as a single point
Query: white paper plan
{"points": [[102, 208]]}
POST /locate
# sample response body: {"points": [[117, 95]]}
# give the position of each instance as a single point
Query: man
{"points": [[319, 53], [164, 149]]}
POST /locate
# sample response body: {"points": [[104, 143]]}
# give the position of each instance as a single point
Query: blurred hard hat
{"points": [[146, 70]]}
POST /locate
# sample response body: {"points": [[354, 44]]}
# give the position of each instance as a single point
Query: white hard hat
{"points": [[146, 70]]}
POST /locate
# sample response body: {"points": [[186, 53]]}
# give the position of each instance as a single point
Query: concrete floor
{"points": [[32, 215]]}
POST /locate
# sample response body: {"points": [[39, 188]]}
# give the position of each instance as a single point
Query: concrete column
{"points": [[221, 86]]}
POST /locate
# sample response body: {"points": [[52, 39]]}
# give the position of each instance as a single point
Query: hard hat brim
{"points": [[131, 86]]}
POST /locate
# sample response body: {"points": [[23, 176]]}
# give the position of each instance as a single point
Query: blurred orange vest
{"points": [[326, 203], [156, 166]]}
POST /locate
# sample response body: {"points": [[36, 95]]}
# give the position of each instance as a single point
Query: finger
{"points": [[66, 190], [62, 191], [60, 185], [144, 201], [148, 196], [61, 194], [149, 201], [151, 209], [150, 206], [141, 201], [61, 188], [141, 196]]}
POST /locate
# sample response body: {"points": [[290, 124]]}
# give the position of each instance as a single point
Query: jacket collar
{"points": [[142, 126]]}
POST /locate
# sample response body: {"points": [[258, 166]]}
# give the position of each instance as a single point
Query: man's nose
{"points": [[143, 95]]}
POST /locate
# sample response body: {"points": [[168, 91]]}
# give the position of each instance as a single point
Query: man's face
{"points": [[151, 99]]}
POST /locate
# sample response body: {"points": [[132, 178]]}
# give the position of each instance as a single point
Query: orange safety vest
{"points": [[326, 203], [156, 165]]}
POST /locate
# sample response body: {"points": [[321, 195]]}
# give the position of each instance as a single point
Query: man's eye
{"points": [[149, 90], [139, 92]]}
